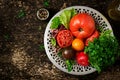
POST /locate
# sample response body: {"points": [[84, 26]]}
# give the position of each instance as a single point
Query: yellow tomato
{"points": [[78, 44]]}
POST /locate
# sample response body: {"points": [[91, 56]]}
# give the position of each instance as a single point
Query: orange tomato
{"points": [[78, 44]]}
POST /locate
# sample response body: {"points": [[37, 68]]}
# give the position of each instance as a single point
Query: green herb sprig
{"points": [[69, 64], [103, 51], [53, 41]]}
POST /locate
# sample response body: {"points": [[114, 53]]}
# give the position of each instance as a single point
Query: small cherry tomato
{"points": [[64, 38], [82, 59], [68, 53]]}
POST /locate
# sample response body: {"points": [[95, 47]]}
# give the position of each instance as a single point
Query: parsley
{"points": [[53, 41], [103, 51], [69, 64]]}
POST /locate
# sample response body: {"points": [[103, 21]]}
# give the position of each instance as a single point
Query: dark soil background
{"points": [[22, 55]]}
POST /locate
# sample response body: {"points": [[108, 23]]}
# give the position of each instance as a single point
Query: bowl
{"points": [[51, 51], [42, 14]]}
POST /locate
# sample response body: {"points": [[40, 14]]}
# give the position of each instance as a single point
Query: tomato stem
{"points": [[80, 29]]}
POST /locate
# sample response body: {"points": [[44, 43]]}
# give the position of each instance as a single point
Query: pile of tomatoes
{"points": [[73, 40]]}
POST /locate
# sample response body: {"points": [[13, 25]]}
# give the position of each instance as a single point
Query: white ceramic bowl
{"points": [[51, 52]]}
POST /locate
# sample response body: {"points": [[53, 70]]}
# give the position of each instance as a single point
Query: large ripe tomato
{"points": [[64, 38], [82, 59], [82, 25], [92, 37]]}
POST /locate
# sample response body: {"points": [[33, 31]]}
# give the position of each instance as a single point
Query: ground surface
{"points": [[22, 56]]}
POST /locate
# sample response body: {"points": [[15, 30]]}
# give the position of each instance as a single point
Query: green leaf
{"points": [[55, 23], [65, 17], [69, 64], [73, 12], [53, 41]]}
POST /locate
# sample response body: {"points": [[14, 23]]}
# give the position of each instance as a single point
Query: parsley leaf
{"points": [[69, 64], [53, 41]]}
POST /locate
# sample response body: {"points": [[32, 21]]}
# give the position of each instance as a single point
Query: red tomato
{"points": [[82, 59], [82, 25], [64, 38], [92, 37]]}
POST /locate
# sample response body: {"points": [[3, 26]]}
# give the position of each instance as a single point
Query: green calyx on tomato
{"points": [[82, 25]]}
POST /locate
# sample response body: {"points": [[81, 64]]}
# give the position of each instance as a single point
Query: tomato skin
{"points": [[92, 37], [82, 59], [64, 38], [78, 44], [82, 25], [68, 53]]}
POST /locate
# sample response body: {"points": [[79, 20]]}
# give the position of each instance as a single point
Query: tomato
{"points": [[82, 59], [82, 25], [64, 38], [68, 53], [92, 37], [78, 44]]}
